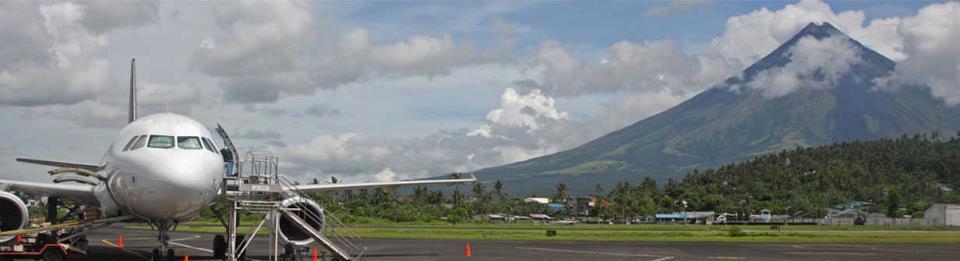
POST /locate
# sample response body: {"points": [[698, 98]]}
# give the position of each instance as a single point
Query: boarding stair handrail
{"points": [[338, 233]]}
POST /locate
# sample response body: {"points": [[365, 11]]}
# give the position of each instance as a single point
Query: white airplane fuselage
{"points": [[166, 183]]}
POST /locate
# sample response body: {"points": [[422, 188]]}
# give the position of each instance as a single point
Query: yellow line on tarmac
{"points": [[108, 243]]}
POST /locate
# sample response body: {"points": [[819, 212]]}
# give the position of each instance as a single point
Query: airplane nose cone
{"points": [[178, 189]]}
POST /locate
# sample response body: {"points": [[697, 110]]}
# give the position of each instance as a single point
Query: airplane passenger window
{"points": [[142, 140], [130, 143], [160, 142], [189, 142], [207, 144]]}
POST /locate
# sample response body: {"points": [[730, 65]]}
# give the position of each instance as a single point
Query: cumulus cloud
{"points": [[262, 53], [525, 125], [931, 39], [674, 6], [749, 37], [386, 175], [48, 56], [51, 56], [524, 110], [627, 66], [814, 63]]}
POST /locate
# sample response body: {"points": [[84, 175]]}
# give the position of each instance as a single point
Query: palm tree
{"points": [[481, 198], [498, 190], [562, 192]]}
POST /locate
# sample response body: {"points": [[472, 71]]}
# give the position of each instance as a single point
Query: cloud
{"points": [[749, 37], [524, 110], [674, 7], [632, 108], [264, 51], [86, 114], [626, 67], [814, 63], [159, 95], [385, 175], [931, 39], [259, 135], [321, 110], [48, 57], [525, 125], [103, 16]]}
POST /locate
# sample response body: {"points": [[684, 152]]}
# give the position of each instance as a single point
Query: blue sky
{"points": [[593, 24], [403, 89]]}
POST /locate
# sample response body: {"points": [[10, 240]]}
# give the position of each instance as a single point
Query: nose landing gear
{"points": [[165, 253]]}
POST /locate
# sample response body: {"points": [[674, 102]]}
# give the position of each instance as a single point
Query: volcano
{"points": [[783, 101]]}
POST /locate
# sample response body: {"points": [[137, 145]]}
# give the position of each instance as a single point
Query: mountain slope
{"points": [[737, 120]]}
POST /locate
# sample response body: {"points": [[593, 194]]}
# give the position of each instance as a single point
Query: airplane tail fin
{"points": [[133, 91]]}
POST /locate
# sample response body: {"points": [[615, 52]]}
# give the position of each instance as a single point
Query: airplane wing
{"points": [[61, 164], [386, 185], [82, 193]]}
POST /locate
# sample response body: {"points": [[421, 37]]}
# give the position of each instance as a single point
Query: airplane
{"points": [[162, 168]]}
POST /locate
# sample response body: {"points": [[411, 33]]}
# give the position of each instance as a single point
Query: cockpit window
{"points": [[130, 143], [141, 140], [208, 144], [189, 142], [160, 142]]}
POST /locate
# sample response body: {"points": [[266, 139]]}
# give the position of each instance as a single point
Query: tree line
{"points": [[894, 176]]}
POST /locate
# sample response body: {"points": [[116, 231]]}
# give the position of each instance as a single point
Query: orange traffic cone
{"points": [[120, 242], [315, 256], [467, 251], [186, 258], [19, 239]]}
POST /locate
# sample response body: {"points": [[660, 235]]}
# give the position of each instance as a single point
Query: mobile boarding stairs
{"points": [[255, 187]]}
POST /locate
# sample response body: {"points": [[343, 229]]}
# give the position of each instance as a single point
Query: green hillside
{"points": [[898, 176]]}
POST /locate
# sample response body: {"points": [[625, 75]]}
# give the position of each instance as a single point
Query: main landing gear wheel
{"points": [[52, 254], [170, 255], [156, 255], [219, 247]]}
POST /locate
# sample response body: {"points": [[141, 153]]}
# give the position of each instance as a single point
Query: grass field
{"points": [[659, 233]]}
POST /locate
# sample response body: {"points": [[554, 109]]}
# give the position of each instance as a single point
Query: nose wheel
{"points": [[170, 255], [165, 253]]}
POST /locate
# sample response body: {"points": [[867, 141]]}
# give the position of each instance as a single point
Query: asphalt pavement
{"points": [[139, 243]]}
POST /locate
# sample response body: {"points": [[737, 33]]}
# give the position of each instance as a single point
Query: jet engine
{"points": [[13, 214], [308, 211]]}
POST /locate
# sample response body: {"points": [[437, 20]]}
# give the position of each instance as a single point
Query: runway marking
{"points": [[658, 258], [831, 253], [111, 244], [185, 238], [191, 247]]}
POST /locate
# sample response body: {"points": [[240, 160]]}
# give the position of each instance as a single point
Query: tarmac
{"points": [[139, 243]]}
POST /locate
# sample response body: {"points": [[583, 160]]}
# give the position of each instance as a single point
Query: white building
{"points": [[537, 200], [943, 215]]}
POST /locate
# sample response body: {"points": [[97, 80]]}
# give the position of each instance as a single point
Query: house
{"points": [[583, 206], [496, 218], [540, 217], [520, 218], [943, 215], [763, 217], [695, 217]]}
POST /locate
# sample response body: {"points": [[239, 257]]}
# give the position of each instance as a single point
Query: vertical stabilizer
{"points": [[133, 90]]}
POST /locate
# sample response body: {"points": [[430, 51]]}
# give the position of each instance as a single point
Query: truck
{"points": [[49, 245]]}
